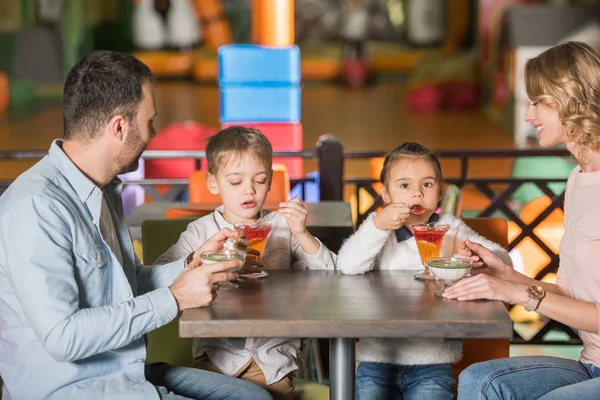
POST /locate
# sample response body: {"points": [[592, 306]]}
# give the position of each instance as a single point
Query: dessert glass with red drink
{"points": [[429, 239], [256, 235]]}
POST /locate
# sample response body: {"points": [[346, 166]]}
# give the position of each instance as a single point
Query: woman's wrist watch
{"points": [[536, 295]]}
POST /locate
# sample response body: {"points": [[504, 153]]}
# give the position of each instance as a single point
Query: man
{"points": [[75, 303]]}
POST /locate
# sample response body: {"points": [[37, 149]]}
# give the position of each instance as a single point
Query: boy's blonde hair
{"points": [[236, 142], [567, 78]]}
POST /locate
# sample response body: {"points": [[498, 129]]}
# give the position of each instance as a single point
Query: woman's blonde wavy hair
{"points": [[567, 78]]}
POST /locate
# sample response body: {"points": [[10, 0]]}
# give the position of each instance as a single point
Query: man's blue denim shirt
{"points": [[72, 318]]}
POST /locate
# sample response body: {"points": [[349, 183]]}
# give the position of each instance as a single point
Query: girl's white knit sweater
{"points": [[372, 249]]}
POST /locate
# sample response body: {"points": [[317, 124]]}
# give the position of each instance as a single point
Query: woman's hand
{"points": [[486, 287], [485, 262]]}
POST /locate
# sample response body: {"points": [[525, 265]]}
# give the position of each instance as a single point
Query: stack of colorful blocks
{"points": [[260, 88]]}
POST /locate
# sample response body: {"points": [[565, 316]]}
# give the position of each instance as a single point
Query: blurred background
{"points": [[369, 74]]}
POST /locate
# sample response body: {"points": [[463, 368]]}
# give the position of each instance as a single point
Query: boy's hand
{"points": [[216, 242], [295, 214], [392, 217], [253, 264]]}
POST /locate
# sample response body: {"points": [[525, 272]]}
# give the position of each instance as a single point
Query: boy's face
{"points": [[243, 184]]}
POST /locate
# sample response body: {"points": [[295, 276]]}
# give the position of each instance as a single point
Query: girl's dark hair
{"points": [[410, 151]]}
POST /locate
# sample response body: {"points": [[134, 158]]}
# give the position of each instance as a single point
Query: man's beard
{"points": [[129, 158]]}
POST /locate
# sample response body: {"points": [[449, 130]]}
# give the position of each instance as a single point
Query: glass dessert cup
{"points": [[449, 270], [256, 235], [429, 238], [215, 256]]}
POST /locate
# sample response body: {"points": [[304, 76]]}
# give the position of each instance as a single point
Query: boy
{"points": [[240, 170]]}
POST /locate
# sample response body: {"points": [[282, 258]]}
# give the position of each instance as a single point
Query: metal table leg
{"points": [[342, 369]]}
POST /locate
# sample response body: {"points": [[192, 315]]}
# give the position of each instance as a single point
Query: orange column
{"points": [[4, 92], [255, 11], [273, 22], [458, 19]]}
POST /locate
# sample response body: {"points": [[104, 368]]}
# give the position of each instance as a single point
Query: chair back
{"points": [[494, 229], [175, 213], [280, 184], [280, 187], [160, 234], [477, 350], [164, 343], [198, 191]]}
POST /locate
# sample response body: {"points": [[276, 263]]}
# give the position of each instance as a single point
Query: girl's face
{"points": [[413, 182], [547, 122]]}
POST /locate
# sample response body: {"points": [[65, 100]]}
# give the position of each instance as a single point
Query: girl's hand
{"points": [[392, 217]]}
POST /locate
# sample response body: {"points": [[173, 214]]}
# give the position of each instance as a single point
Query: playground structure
{"points": [[180, 39], [273, 24]]}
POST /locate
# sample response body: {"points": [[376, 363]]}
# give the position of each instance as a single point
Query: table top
{"points": [[322, 218], [328, 304]]}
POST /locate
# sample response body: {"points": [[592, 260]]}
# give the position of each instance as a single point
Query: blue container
{"points": [[252, 64], [244, 103]]}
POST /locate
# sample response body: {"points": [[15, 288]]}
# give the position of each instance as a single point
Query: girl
{"points": [[405, 368], [563, 84]]}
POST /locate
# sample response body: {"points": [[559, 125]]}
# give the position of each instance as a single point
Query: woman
{"points": [[563, 84]]}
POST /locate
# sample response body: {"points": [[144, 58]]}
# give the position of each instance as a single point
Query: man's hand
{"points": [[197, 285]]}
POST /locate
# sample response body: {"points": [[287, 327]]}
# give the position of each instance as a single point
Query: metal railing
{"points": [[331, 158], [177, 185]]}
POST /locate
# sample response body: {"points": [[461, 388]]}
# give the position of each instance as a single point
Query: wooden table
{"points": [[330, 221], [320, 304]]}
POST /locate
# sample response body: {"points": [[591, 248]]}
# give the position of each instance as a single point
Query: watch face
{"points": [[536, 292]]}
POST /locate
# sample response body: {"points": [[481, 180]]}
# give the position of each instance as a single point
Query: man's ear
{"points": [[385, 195], [118, 127], [211, 183]]}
